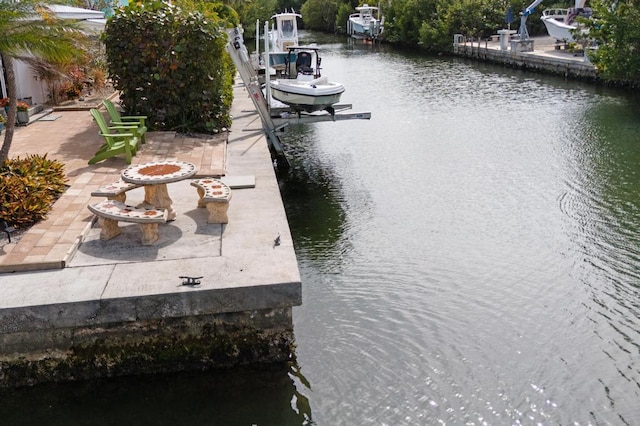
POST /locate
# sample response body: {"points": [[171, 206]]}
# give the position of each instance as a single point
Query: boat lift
{"points": [[275, 120]]}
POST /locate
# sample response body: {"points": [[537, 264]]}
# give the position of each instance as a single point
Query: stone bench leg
{"points": [[108, 228], [217, 212], [201, 203], [150, 233]]}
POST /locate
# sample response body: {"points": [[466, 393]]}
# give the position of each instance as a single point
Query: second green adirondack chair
{"points": [[116, 143], [127, 120]]}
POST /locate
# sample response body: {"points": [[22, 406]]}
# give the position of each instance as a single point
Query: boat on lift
{"points": [[364, 25], [304, 88], [309, 96], [561, 23]]}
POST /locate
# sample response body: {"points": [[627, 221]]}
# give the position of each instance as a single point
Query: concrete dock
{"points": [[546, 56], [75, 307]]}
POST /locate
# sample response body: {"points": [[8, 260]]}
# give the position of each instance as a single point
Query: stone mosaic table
{"points": [[154, 177]]}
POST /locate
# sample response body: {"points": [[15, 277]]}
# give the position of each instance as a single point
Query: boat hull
{"points": [[358, 29], [363, 24], [558, 30], [561, 23], [306, 96]]}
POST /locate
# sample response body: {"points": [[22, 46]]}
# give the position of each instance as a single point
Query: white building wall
{"points": [[29, 85]]}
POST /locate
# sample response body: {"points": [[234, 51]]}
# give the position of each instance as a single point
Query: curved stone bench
{"points": [[110, 212], [115, 191], [214, 195]]}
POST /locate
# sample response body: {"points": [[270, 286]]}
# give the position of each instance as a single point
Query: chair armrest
{"points": [[118, 135], [128, 127], [130, 124], [140, 119]]}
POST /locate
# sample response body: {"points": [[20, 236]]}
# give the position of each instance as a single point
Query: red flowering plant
{"points": [[22, 106], [4, 102]]}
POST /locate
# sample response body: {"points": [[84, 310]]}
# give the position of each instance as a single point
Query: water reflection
{"points": [[603, 203], [316, 206], [605, 178], [491, 219], [264, 395]]}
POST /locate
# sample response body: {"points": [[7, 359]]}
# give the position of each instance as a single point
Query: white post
{"points": [[258, 39], [267, 68]]}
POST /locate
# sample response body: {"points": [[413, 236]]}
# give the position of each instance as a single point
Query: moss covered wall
{"points": [[145, 347]]}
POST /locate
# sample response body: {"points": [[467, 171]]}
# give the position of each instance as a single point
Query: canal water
{"points": [[470, 255]]}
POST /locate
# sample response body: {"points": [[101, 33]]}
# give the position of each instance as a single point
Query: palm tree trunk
{"points": [[7, 61]]}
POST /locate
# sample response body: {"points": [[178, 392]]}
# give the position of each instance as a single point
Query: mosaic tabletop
{"points": [[158, 172]]}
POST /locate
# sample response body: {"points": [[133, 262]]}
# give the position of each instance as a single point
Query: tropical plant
{"points": [[320, 14], [617, 35], [249, 11], [28, 188], [22, 36], [342, 16]]}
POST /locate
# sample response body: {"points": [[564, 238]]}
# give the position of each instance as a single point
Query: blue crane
{"points": [[522, 31]]}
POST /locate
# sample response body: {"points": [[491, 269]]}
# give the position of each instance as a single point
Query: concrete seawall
{"points": [[119, 308], [546, 56]]}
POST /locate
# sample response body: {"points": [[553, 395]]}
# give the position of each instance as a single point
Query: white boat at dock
{"points": [[364, 25], [291, 79], [302, 87], [283, 35], [309, 96], [274, 118], [561, 23]]}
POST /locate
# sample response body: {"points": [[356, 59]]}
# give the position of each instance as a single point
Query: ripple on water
{"points": [[483, 265]]}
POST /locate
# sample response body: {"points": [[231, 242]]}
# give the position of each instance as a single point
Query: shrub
{"points": [[70, 91], [28, 188], [171, 65], [98, 77]]}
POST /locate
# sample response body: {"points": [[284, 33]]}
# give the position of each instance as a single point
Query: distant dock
{"points": [[545, 55]]}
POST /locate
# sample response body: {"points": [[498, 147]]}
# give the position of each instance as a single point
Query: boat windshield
{"points": [[287, 27]]}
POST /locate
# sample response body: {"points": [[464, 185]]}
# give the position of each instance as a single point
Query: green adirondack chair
{"points": [[127, 120], [116, 143]]}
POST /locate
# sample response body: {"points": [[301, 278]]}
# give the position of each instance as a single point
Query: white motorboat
{"points": [[561, 23], [283, 33], [281, 37], [307, 95], [303, 88], [364, 25]]}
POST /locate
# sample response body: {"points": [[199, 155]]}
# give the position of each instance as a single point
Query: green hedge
{"points": [[170, 64]]}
